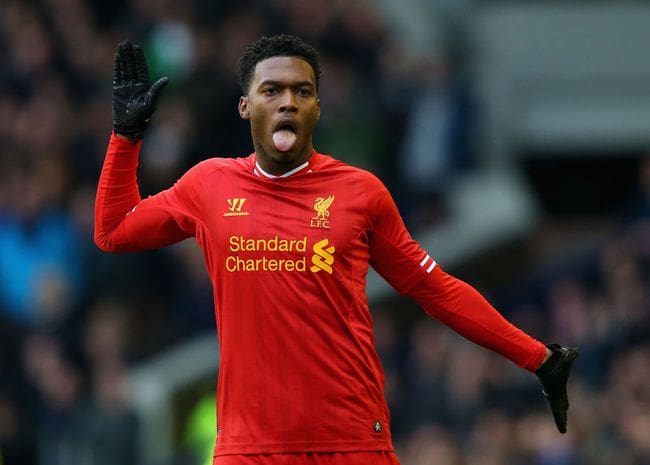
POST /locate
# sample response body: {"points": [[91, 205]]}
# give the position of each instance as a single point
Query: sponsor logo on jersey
{"points": [[323, 257], [322, 205], [278, 254], [235, 207]]}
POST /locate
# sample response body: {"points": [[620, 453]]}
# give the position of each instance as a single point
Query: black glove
{"points": [[134, 99], [554, 374]]}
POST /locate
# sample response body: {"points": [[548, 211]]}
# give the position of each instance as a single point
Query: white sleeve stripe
{"points": [[431, 267], [424, 260]]}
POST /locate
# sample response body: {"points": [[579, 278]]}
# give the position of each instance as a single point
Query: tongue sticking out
{"points": [[284, 140]]}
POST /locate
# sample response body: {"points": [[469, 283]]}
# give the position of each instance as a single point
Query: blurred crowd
{"points": [[73, 320]]}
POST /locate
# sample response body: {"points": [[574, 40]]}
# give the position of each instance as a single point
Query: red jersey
{"points": [[288, 259]]}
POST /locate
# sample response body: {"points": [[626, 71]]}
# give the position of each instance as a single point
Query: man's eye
{"points": [[304, 92], [270, 90]]}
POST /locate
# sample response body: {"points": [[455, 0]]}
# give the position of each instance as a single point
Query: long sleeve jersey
{"points": [[288, 259]]}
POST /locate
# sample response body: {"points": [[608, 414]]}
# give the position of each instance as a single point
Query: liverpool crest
{"points": [[322, 205]]}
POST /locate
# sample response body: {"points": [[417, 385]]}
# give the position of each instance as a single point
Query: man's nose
{"points": [[288, 102]]}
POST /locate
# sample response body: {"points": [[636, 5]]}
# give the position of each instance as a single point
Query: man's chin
{"points": [[283, 156], [286, 156], [283, 159]]}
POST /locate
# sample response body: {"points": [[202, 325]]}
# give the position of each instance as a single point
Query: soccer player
{"points": [[288, 235]]}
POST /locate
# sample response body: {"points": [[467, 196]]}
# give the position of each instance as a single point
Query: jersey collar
{"points": [[261, 173]]}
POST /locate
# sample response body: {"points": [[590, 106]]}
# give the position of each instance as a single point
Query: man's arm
{"points": [[124, 222], [413, 272], [462, 308]]}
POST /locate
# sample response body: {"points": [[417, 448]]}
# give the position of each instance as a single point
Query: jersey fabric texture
{"points": [[288, 259]]}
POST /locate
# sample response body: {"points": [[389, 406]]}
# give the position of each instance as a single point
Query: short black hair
{"points": [[282, 45]]}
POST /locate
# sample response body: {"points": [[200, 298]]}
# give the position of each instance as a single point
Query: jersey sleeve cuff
{"points": [[123, 143]]}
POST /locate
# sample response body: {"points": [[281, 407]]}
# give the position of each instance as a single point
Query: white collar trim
{"points": [[258, 170]]}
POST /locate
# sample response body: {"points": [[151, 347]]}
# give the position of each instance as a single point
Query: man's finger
{"points": [[157, 87], [559, 408], [121, 51], [117, 72], [129, 61], [141, 64], [124, 75]]}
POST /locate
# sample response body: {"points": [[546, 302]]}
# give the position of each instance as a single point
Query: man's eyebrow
{"points": [[272, 82]]}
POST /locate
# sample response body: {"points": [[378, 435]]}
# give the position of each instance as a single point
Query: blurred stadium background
{"points": [[514, 136]]}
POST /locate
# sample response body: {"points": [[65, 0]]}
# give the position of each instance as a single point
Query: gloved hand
{"points": [[134, 97], [554, 374]]}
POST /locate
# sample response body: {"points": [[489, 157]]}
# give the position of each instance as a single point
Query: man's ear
{"points": [[318, 106], [243, 108]]}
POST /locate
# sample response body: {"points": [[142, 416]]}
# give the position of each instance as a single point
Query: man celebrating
{"points": [[287, 235]]}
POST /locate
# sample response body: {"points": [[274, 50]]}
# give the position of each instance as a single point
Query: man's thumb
{"points": [[157, 87]]}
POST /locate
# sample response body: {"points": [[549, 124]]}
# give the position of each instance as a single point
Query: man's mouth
{"points": [[284, 136], [285, 124]]}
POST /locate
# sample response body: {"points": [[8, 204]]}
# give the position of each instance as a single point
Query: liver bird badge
{"points": [[321, 205]]}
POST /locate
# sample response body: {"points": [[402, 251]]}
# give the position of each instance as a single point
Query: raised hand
{"points": [[134, 97]]}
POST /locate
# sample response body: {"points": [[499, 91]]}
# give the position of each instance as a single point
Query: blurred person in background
{"points": [[16, 424], [77, 422], [57, 378], [300, 380], [41, 271]]}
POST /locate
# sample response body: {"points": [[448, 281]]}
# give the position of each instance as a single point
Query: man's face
{"points": [[283, 107]]}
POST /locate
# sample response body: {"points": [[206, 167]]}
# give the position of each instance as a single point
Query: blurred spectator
{"points": [[108, 333], [40, 264], [354, 131], [107, 421], [192, 299], [16, 430], [428, 396], [431, 444], [58, 381], [77, 425]]}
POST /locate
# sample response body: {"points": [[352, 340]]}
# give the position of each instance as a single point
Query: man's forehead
{"points": [[282, 69]]}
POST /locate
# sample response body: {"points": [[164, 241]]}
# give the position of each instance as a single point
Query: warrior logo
{"points": [[235, 207]]}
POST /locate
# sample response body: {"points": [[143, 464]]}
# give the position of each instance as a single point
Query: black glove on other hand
{"points": [[554, 374], [134, 97]]}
